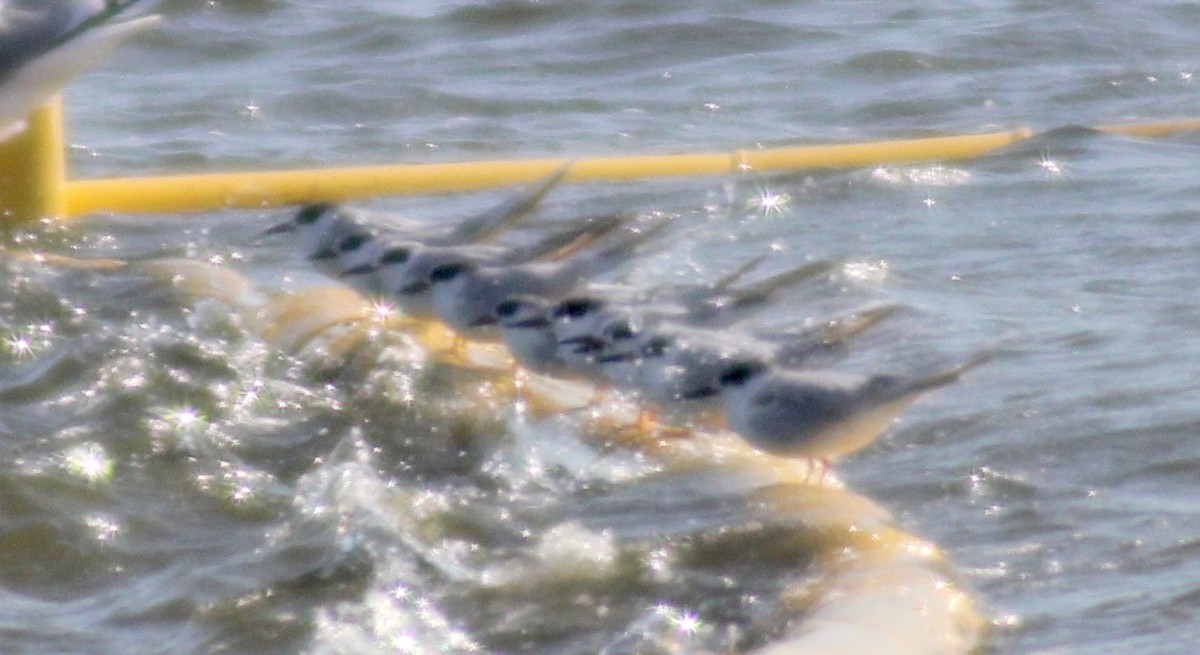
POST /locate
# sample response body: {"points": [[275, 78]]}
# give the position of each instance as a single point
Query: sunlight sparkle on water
{"points": [[687, 623], [34, 339], [381, 311], [1050, 166], [866, 271], [184, 419], [88, 461], [104, 529], [768, 202], [19, 346], [936, 175]]}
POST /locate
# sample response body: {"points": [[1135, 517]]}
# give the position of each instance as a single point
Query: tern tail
{"points": [[843, 327], [830, 335], [571, 241], [950, 375], [592, 263], [496, 220], [760, 291], [729, 277]]}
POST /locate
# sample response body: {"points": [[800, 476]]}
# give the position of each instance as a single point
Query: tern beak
{"points": [[361, 269], [586, 344], [482, 321], [286, 226], [700, 392], [534, 322]]}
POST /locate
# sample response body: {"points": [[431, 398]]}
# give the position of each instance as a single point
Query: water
{"points": [[174, 484]]}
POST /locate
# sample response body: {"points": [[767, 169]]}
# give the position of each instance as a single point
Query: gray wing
{"points": [[498, 219], [31, 28]]}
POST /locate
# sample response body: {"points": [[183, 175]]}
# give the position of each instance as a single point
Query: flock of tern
{"points": [[685, 352]]}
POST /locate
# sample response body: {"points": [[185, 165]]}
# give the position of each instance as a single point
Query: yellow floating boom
{"points": [[184, 193], [33, 183]]}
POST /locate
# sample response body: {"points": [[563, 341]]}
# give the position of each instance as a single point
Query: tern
{"points": [[45, 43], [821, 415]]}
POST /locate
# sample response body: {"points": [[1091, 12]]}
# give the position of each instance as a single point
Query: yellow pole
{"points": [[1152, 130], [206, 192], [33, 169], [181, 193]]}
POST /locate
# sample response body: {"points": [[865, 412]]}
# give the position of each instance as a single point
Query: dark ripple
{"points": [[506, 16], [894, 64], [33, 380]]}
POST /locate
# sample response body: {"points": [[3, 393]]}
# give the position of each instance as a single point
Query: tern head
{"points": [[621, 342], [307, 215], [329, 244], [620, 331], [353, 242], [577, 320], [320, 228], [656, 345], [589, 346], [449, 272], [310, 214], [395, 256], [522, 312], [357, 250], [367, 264], [393, 268], [575, 309]]}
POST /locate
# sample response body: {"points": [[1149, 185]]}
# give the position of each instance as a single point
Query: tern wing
{"points": [[898, 387], [43, 45], [566, 243], [829, 336], [594, 262], [498, 219], [738, 272], [760, 291]]}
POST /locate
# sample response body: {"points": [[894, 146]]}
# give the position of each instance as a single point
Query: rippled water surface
{"points": [[174, 483]]}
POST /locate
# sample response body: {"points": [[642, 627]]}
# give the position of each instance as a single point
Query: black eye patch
{"points": [[621, 332], [575, 308], [738, 374], [507, 308], [310, 213], [445, 272], [395, 256], [353, 242], [656, 347]]}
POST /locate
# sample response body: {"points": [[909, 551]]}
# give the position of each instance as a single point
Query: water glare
{"points": [[104, 528], [1052, 168], [876, 271], [770, 203], [90, 462], [19, 346]]}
